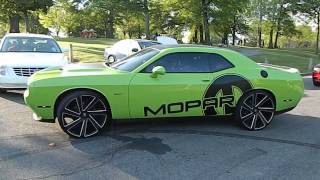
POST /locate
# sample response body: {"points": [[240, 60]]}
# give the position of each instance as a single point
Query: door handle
{"points": [[205, 80]]}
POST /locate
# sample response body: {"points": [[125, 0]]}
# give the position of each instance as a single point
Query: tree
{"points": [[311, 8], [230, 16], [15, 9], [259, 11], [59, 17]]}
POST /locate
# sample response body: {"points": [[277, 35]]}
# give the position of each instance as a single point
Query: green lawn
{"points": [[297, 58], [87, 50]]}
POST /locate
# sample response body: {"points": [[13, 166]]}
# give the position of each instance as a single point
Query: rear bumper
{"points": [[316, 76]]}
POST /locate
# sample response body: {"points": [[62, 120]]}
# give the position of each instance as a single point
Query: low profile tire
{"points": [[256, 110], [111, 59], [83, 114]]}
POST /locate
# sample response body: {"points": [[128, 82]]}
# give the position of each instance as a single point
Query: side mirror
{"points": [[135, 50], [158, 70]]}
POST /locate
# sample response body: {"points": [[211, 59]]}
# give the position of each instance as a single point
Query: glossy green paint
{"points": [[129, 92]]}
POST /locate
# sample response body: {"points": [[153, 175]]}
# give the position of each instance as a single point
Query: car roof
{"points": [[143, 40], [28, 35], [193, 46]]}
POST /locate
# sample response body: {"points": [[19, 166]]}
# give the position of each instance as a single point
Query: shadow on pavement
{"points": [[150, 136], [159, 138], [308, 84], [14, 96]]}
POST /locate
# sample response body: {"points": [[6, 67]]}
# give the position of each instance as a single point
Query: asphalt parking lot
{"points": [[179, 149]]}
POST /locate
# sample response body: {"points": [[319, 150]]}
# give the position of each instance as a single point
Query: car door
{"points": [[179, 92]]}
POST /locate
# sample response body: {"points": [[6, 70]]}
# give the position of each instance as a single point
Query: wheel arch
{"points": [[69, 91]]}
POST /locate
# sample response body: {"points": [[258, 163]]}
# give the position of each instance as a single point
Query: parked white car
{"points": [[127, 47], [21, 55], [124, 48]]}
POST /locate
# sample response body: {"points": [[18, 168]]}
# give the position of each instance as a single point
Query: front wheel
{"points": [[256, 110], [83, 114], [111, 59]]}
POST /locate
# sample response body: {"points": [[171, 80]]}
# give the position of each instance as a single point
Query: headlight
{"points": [[3, 70]]}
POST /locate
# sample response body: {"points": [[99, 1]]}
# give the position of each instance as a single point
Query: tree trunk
{"points": [[195, 38], [26, 20], [58, 31], [278, 27], [14, 24], [225, 38], [271, 39], [318, 34], [276, 40], [259, 43], [33, 25], [110, 28], [201, 34], [147, 18], [234, 31], [233, 36], [205, 5]]}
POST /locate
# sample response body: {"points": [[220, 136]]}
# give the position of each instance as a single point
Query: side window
{"points": [[218, 63], [191, 63]]}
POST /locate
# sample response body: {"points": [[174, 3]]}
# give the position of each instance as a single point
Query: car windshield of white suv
{"points": [[30, 44], [132, 62]]}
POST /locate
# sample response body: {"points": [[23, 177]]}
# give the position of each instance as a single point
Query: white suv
{"points": [[21, 55]]}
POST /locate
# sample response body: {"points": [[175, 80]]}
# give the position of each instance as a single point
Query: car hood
{"points": [[13, 59], [75, 70]]}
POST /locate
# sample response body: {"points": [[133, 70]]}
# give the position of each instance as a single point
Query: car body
{"points": [[125, 48], [24, 54], [316, 75], [166, 81]]}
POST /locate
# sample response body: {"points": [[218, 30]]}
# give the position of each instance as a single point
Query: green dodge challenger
{"points": [[164, 81]]}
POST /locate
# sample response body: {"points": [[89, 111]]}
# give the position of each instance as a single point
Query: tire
{"points": [[316, 83], [255, 110], [83, 114], [111, 59], [2, 91]]}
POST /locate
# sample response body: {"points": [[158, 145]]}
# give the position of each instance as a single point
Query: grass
{"points": [[294, 57], [87, 50], [91, 50]]}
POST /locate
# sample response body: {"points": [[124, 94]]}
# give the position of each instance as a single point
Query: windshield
{"points": [[132, 62], [147, 44], [30, 44]]}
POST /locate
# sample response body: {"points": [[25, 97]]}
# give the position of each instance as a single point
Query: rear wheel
{"points": [[83, 114], [2, 91], [256, 110]]}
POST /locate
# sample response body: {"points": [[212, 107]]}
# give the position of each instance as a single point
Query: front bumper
{"points": [[13, 82]]}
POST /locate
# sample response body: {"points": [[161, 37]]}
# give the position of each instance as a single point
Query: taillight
{"points": [[316, 75]]}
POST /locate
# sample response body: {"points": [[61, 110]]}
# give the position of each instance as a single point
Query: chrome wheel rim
{"points": [[84, 116], [257, 111]]}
